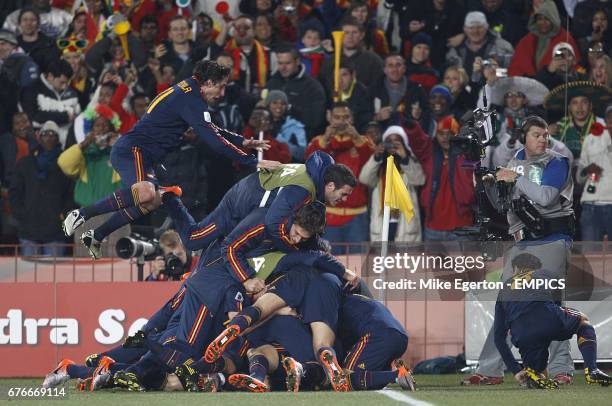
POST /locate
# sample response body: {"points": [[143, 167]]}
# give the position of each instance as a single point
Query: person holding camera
{"points": [[175, 261], [394, 142], [348, 221], [562, 68], [541, 183]]}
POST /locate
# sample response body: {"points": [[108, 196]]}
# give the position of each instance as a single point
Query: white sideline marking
{"points": [[401, 397]]}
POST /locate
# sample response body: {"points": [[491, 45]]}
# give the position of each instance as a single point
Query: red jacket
{"points": [[523, 61], [128, 120], [463, 187], [354, 155]]}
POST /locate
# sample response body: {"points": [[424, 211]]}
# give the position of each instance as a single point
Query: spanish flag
{"points": [[396, 194]]}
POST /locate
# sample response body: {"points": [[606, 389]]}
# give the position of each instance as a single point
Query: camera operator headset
{"points": [[542, 188], [176, 260]]}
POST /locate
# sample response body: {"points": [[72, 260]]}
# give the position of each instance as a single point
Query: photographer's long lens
{"points": [[128, 247]]}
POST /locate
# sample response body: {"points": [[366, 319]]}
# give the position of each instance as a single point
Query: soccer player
{"points": [[376, 341], [282, 190], [534, 321], [209, 293], [158, 132]]}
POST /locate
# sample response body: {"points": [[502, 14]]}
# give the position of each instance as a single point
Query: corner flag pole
{"points": [[260, 151]]}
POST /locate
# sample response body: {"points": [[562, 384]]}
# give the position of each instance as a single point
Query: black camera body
{"points": [[174, 267]]}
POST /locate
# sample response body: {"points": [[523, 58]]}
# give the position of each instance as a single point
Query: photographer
{"points": [[175, 261], [543, 178], [394, 142]]}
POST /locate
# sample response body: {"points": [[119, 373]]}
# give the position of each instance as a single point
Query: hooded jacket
{"points": [[412, 175], [534, 51]]}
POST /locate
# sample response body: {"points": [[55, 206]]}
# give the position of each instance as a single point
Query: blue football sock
{"points": [[120, 199], [258, 367], [118, 220], [364, 380], [79, 371], [242, 321], [587, 344]]}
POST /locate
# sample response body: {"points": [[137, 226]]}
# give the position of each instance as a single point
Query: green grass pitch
{"points": [[433, 389]]}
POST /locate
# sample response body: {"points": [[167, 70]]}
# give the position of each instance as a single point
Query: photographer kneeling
{"points": [[175, 262], [541, 188]]}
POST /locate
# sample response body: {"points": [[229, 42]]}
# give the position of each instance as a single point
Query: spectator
{"points": [[348, 221], [103, 95], [440, 101], [355, 94], [108, 50], [464, 96], [442, 20], [448, 194], [601, 73], [305, 93], [89, 163], [165, 75], [503, 20], [286, 129], [519, 98], [373, 132], [124, 87], [312, 46], [17, 71], [149, 30], [37, 45], [177, 50], [394, 94], [581, 98], [419, 68], [51, 99], [394, 142], [265, 32], [593, 51], [562, 68], [172, 247], [54, 22], [582, 23], [479, 42], [82, 81], [237, 103], [85, 23], [186, 168], [288, 14], [375, 39], [261, 121], [535, 50], [205, 32], [368, 65], [38, 179], [594, 166], [15, 145], [253, 62], [599, 34]]}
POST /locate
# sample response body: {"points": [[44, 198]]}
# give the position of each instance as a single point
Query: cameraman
{"points": [[542, 177], [175, 262]]}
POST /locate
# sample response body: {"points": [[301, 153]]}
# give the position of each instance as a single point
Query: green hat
{"points": [[599, 95]]}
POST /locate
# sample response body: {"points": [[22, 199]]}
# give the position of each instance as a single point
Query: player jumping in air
{"points": [[159, 132]]}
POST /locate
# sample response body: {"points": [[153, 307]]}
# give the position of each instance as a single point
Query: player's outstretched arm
{"points": [[211, 135]]}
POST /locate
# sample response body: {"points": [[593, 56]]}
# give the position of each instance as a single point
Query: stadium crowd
{"points": [[74, 78]]}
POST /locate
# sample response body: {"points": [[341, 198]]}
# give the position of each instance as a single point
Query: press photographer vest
{"points": [[285, 175], [533, 168]]}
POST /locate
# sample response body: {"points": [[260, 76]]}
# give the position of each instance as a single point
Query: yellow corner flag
{"points": [[396, 194]]}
